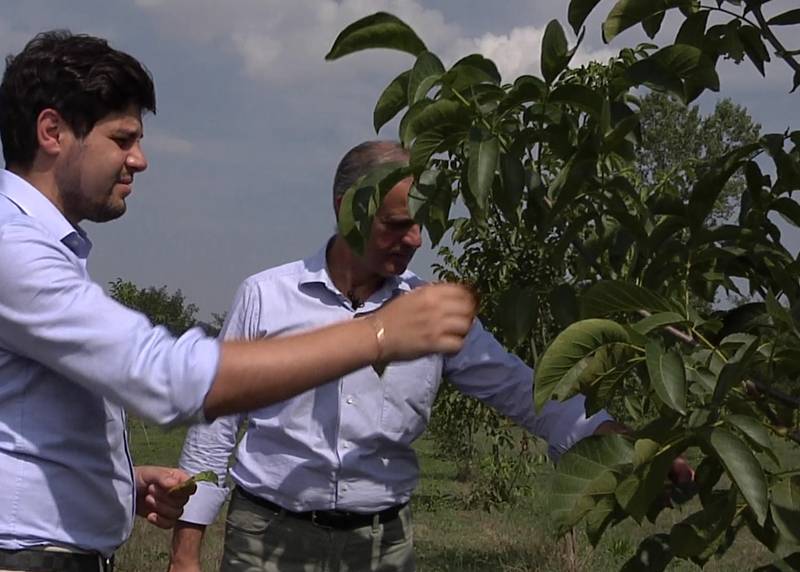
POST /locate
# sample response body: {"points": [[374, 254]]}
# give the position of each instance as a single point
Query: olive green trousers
{"points": [[260, 540]]}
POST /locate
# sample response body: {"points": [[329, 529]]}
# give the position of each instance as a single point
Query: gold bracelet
{"points": [[380, 336]]}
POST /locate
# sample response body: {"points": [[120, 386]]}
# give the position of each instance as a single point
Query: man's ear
{"points": [[50, 131]]}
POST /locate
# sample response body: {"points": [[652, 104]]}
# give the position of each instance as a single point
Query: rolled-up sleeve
{"points": [[209, 446], [485, 370], [52, 314]]}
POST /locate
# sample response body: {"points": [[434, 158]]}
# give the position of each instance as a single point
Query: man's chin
{"points": [[108, 213]]}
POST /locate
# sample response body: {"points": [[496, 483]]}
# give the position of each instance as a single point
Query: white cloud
{"points": [[284, 42], [518, 52]]}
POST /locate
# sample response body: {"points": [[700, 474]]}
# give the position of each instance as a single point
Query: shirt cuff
{"points": [[204, 505]]}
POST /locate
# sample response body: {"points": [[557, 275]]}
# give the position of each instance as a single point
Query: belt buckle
{"points": [[107, 564], [316, 522]]}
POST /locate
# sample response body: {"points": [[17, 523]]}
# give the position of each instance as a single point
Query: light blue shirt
{"points": [[347, 444], [71, 359]]}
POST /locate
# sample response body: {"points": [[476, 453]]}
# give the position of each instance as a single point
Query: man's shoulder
{"points": [[412, 280], [14, 224], [288, 273]]}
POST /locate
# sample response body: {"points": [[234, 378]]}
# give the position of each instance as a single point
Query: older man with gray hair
{"points": [[323, 480]]}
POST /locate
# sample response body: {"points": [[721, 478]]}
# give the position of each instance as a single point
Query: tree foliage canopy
{"points": [[626, 268]]}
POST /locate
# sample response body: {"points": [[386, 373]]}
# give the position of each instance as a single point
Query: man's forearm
{"points": [[187, 540], [256, 374], [432, 319]]}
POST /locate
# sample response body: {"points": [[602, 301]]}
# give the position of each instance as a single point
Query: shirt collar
{"points": [[35, 204], [315, 270]]}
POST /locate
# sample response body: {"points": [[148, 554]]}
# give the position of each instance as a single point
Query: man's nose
{"points": [[136, 160]]}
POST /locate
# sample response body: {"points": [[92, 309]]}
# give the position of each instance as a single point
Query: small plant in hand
{"points": [[191, 482], [631, 273]]}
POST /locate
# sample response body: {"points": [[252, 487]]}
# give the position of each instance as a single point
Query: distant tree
{"points": [[162, 307], [677, 141]]}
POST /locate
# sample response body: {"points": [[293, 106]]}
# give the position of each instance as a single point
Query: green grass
{"points": [[447, 537]]}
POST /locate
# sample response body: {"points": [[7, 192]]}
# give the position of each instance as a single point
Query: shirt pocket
{"points": [[408, 392]]}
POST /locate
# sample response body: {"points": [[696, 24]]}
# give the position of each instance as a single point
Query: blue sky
{"points": [[252, 121]]}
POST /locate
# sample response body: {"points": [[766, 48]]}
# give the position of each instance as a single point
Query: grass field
{"points": [[448, 538]]}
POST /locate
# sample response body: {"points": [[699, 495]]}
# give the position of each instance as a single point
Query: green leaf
{"points": [[424, 116], [652, 24], [393, 99], [667, 376], [564, 305], [516, 314], [428, 143], [579, 10], [785, 508], [697, 532], [706, 190], [666, 68], [561, 364], [707, 476], [693, 30], [379, 30], [788, 18], [628, 13], [752, 428], [653, 555], [362, 199], [621, 132], [584, 474], [599, 518], [610, 296], [580, 97], [555, 51], [657, 321], [484, 149], [512, 175], [526, 88], [470, 71], [578, 171], [201, 477], [754, 47], [742, 468], [637, 493], [788, 208], [427, 70], [429, 202]]}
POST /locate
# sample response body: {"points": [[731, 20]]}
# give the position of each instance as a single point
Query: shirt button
{"points": [[349, 400]]}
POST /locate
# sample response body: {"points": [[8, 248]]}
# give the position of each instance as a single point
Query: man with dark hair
{"points": [[71, 358], [323, 480]]}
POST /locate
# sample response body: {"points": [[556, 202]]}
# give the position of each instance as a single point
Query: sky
{"points": [[251, 121]]}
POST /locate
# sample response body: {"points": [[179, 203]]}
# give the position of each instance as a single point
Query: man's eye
{"points": [[123, 142]]}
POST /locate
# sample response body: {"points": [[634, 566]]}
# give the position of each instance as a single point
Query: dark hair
{"points": [[80, 76], [361, 159]]}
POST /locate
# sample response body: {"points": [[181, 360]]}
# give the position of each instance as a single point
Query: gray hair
{"points": [[361, 159]]}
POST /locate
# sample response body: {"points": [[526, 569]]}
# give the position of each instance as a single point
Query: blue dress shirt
{"points": [[347, 444], [71, 359]]}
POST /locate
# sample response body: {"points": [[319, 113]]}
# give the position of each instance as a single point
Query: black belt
{"points": [[338, 519], [53, 561]]}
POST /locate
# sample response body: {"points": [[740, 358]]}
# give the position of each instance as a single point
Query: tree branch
{"points": [[770, 36]]}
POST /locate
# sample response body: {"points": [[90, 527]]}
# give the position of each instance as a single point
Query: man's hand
{"points": [[430, 319], [154, 502]]}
